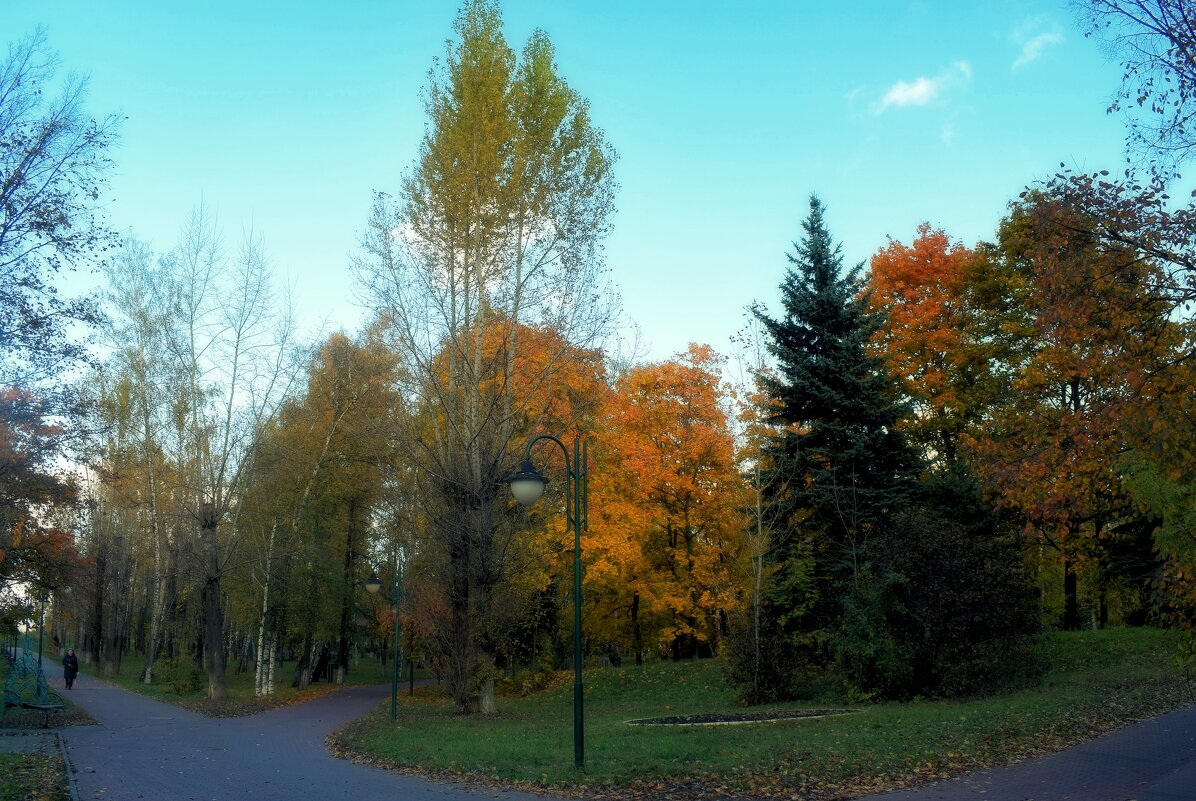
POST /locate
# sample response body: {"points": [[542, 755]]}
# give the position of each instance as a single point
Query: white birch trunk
{"points": [[260, 683], [270, 662]]}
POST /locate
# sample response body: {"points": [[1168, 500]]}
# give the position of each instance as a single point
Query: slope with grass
{"points": [[1094, 681]]}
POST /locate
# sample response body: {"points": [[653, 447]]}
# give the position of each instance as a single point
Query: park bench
{"points": [[25, 688]]}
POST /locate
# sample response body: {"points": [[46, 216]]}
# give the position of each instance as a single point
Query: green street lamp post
{"points": [[373, 584], [527, 486], [41, 624]]}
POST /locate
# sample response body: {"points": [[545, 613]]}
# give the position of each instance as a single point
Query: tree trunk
{"points": [[757, 584], [213, 631], [97, 612], [303, 666], [161, 565], [259, 679], [487, 704], [271, 661], [461, 668], [637, 635], [157, 612], [110, 646], [213, 610], [323, 662], [1071, 607], [342, 651]]}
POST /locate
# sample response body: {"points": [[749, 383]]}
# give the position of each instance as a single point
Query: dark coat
{"points": [[70, 666]]}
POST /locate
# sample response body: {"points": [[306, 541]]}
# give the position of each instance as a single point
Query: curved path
{"points": [[1154, 760], [145, 750]]}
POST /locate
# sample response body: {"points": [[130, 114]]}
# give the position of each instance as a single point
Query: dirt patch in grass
{"points": [[36, 719]]}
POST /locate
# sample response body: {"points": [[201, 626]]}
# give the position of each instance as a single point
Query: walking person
{"points": [[70, 668]]}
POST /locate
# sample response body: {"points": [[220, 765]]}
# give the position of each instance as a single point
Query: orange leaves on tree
{"points": [[32, 494], [920, 288], [669, 528], [1087, 329]]}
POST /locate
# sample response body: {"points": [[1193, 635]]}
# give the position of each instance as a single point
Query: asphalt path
{"points": [[1154, 760], [145, 750]]}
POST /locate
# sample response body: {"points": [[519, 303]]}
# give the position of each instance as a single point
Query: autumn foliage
{"points": [[667, 533], [914, 438], [36, 501], [919, 288]]}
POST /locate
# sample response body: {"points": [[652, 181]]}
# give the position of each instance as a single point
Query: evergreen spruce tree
{"points": [[839, 469]]}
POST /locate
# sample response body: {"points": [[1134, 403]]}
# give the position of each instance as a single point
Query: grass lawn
{"points": [[28, 777], [241, 700], [1095, 681]]}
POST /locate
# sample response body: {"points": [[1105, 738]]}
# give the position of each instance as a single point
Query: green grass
{"points": [[29, 777], [241, 699], [1094, 681]]}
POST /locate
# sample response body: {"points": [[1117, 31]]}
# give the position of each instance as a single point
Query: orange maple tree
{"points": [[920, 287], [667, 529]]}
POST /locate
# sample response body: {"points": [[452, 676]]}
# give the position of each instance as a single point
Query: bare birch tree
{"points": [[135, 328], [231, 359]]}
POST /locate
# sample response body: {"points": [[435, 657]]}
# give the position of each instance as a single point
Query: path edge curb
{"points": [[68, 766]]}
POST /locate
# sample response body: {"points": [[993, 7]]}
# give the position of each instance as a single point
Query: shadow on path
{"points": [[143, 749]]}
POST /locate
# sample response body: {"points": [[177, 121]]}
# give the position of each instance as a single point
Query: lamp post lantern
{"points": [[527, 485], [373, 584]]}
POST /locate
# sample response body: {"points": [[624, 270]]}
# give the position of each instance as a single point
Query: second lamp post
{"points": [[527, 486], [373, 584]]}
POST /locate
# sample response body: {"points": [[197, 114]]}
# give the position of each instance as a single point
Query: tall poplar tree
{"points": [[497, 229]]}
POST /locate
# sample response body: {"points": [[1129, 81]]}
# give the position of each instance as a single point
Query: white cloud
{"points": [[1032, 48], [948, 134], [918, 92], [922, 91]]}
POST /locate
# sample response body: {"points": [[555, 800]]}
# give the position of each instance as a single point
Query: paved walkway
{"points": [[1154, 760], [145, 750]]}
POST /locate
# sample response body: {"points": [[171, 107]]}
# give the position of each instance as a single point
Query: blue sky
{"points": [[285, 116]]}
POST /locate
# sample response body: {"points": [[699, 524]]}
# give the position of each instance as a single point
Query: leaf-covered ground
{"points": [[33, 719], [32, 777], [1097, 681]]}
